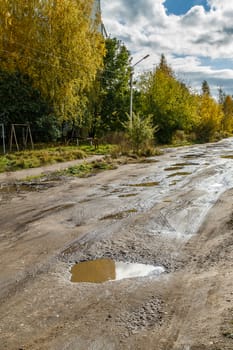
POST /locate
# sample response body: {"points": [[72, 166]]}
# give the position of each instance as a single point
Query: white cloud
{"points": [[145, 27]]}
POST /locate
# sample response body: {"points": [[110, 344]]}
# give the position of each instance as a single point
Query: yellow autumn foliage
{"points": [[209, 117], [57, 44]]}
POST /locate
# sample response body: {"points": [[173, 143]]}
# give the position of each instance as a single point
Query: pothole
{"points": [[120, 215], [144, 184], [185, 164], [229, 156], [172, 168], [193, 155], [24, 186], [102, 270], [128, 195], [179, 174]]}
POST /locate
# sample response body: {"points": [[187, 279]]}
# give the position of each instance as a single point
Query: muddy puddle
{"points": [[173, 168], [193, 155], [25, 186], [102, 270], [127, 195], [144, 184], [120, 215], [19, 189], [227, 156], [184, 173]]}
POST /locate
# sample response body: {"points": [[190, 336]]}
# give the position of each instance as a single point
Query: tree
{"points": [[168, 100], [221, 96], [21, 103], [205, 88], [209, 119], [113, 85], [227, 121], [55, 43]]}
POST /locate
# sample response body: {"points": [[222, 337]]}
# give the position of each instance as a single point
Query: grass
{"points": [[50, 155], [87, 169]]}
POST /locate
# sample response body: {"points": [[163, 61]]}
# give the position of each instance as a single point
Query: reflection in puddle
{"points": [[229, 156], [119, 216], [128, 195], [145, 184], [194, 155], [179, 174], [172, 168], [102, 270], [186, 164], [24, 187]]}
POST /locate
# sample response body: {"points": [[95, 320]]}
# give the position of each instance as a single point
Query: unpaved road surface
{"points": [[175, 212]]}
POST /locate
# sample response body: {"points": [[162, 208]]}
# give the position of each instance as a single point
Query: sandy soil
{"points": [[182, 222]]}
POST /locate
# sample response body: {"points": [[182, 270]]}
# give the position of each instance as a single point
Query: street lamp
{"points": [[131, 88]]}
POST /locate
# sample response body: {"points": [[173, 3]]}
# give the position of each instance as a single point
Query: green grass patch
{"points": [[88, 169], [37, 158], [49, 155]]}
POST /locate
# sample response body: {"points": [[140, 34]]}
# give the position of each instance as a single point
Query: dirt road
{"points": [[174, 213]]}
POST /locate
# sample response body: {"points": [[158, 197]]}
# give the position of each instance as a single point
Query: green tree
{"points": [[168, 100], [205, 88], [113, 86], [20, 103]]}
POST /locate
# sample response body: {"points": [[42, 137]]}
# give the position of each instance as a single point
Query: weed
{"points": [[88, 169]]}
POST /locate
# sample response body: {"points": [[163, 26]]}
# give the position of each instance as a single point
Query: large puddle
{"points": [[102, 270]]}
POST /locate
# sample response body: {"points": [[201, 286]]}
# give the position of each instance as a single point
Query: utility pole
{"points": [[131, 88]]}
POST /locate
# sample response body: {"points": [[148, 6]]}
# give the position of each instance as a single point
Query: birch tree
{"points": [[57, 44]]}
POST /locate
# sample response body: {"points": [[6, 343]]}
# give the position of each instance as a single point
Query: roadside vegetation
{"points": [[48, 155], [76, 87]]}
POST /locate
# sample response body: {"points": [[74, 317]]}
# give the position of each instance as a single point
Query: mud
{"points": [[185, 228]]}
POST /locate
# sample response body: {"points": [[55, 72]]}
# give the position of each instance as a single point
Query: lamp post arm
{"points": [[143, 58]]}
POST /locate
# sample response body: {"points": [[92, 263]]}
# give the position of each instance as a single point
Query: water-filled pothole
{"points": [[144, 184], [120, 215], [18, 187], [172, 168], [128, 195], [102, 270], [184, 173], [193, 155], [227, 156]]}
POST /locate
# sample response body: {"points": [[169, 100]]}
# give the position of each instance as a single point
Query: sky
{"points": [[196, 37]]}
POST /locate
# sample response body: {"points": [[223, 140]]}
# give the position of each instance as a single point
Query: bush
{"points": [[140, 131]]}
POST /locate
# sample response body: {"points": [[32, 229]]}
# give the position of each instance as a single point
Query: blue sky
{"points": [[180, 7], [195, 36]]}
